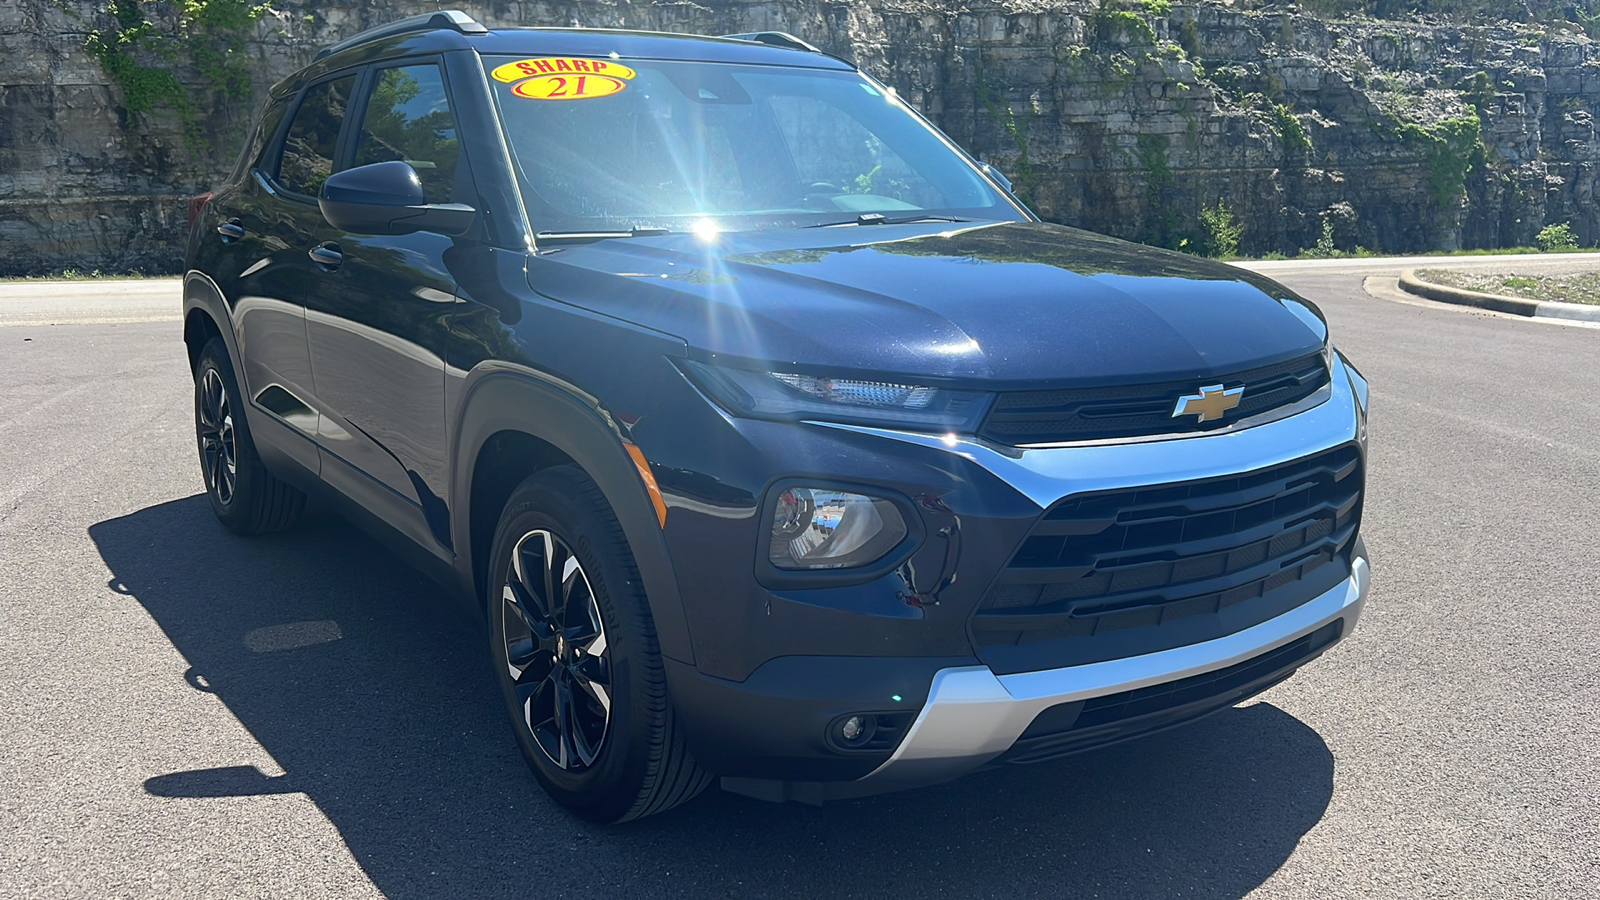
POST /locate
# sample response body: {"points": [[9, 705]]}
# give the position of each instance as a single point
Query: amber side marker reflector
{"points": [[650, 485]]}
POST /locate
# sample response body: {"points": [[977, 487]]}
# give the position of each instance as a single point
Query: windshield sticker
{"points": [[563, 78]]}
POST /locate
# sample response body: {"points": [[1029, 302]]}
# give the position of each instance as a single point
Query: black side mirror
{"points": [[386, 198]]}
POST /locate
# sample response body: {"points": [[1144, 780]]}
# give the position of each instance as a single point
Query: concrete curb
{"points": [[1517, 306]]}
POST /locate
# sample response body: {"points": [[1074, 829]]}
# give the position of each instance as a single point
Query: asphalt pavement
{"points": [[188, 713]]}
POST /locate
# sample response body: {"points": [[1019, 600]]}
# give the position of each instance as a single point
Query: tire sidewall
{"points": [[605, 790]]}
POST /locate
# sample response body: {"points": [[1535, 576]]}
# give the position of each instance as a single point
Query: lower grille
{"points": [[1087, 724], [1119, 573]]}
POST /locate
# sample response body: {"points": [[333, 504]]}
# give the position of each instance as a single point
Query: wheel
{"points": [[244, 495], [575, 652]]}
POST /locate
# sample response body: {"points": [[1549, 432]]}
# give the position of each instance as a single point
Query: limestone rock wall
{"points": [[1128, 123]]}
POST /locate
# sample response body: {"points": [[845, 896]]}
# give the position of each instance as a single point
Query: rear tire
{"points": [[245, 497], [575, 652]]}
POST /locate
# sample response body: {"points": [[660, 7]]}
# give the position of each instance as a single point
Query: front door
{"points": [[377, 316]]}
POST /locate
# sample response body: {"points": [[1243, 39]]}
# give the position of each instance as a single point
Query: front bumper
{"points": [[809, 657], [973, 716]]}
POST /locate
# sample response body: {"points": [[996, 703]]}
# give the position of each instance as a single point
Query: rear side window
{"points": [[308, 148], [256, 145], [408, 118]]}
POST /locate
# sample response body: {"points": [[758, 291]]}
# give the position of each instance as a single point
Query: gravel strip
{"points": [[1578, 287]]}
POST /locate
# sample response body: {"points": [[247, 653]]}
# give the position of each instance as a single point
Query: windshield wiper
{"points": [[881, 219], [584, 237]]}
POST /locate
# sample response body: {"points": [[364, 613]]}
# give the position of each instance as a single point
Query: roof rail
{"points": [[453, 19], [777, 39]]}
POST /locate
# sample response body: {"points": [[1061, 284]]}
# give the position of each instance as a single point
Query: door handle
{"points": [[326, 255], [230, 231]]}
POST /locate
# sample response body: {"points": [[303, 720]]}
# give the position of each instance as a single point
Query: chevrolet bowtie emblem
{"points": [[1210, 403]]}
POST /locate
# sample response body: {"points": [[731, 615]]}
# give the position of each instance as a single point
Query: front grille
{"points": [[1087, 414], [1118, 573], [1086, 724]]}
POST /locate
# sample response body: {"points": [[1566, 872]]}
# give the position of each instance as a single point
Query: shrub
{"points": [[1556, 238], [1222, 231], [1326, 247]]}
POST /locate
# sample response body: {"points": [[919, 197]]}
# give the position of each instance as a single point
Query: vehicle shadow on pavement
{"points": [[369, 686]]}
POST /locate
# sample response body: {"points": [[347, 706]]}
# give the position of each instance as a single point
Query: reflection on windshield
{"points": [[748, 146]]}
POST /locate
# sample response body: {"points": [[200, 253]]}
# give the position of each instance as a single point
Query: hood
{"points": [[1011, 305]]}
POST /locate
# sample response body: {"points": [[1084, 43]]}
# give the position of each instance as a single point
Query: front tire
{"points": [[245, 497], [575, 652]]}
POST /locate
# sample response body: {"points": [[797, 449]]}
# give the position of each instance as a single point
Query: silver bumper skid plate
{"points": [[973, 715]]}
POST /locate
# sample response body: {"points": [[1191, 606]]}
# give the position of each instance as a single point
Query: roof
{"points": [[426, 37]]}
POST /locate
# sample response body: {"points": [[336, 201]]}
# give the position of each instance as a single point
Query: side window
{"points": [[408, 118], [255, 146], [309, 146]]}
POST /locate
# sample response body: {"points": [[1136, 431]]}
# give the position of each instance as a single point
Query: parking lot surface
{"points": [[188, 713]]}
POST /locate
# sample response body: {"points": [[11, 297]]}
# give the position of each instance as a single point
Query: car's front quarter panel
{"points": [[517, 362]]}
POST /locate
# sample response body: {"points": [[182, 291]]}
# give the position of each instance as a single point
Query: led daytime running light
{"points": [[859, 393]]}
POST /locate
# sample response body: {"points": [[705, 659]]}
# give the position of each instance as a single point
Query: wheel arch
{"points": [[514, 423], [198, 330], [204, 314]]}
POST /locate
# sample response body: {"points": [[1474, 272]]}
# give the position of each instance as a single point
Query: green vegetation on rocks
{"points": [[1287, 126], [1452, 148], [1547, 12], [1023, 177], [1116, 25], [141, 55]]}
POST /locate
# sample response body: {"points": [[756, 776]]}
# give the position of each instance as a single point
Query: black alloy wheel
{"points": [[219, 446], [555, 650], [245, 497], [574, 648]]}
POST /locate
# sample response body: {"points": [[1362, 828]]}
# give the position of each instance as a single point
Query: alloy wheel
{"points": [[556, 651], [219, 448]]}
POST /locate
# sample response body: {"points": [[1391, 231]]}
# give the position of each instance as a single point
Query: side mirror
{"points": [[386, 198], [999, 179]]}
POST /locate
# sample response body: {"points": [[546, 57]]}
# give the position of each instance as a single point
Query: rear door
{"points": [[266, 225], [378, 311]]}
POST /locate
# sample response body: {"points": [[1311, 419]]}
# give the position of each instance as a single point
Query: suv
{"points": [[775, 439]]}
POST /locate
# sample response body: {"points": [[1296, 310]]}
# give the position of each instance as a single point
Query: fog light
{"points": [[820, 528], [852, 732]]}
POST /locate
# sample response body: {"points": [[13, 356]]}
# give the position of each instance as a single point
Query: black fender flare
{"points": [[203, 294], [501, 398]]}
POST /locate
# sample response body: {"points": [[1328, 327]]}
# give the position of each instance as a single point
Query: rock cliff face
{"points": [[1391, 136]]}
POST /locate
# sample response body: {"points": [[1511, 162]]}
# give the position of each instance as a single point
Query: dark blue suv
{"points": [[777, 442]]}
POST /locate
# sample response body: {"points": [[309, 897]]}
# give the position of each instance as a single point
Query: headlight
{"points": [[821, 528], [785, 395]]}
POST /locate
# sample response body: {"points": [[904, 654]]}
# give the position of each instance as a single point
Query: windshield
{"points": [[614, 145]]}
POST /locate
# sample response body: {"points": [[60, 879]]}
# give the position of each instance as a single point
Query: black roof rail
{"points": [[453, 19], [777, 39]]}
